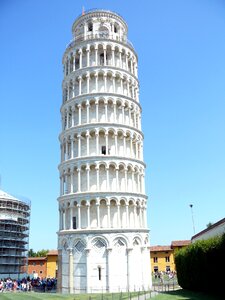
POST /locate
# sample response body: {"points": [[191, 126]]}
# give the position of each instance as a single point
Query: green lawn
{"points": [[48, 296], [173, 295], [185, 295]]}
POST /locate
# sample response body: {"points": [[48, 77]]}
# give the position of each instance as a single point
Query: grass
{"points": [[172, 295], [185, 295], [53, 296]]}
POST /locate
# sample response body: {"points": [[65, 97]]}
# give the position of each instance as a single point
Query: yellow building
{"points": [[52, 263], [162, 257]]}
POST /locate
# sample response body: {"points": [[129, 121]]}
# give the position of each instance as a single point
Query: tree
{"points": [[31, 253], [40, 253], [209, 224]]}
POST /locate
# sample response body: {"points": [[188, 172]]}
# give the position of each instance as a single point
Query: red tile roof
{"points": [[36, 258], [160, 248], [52, 252], [180, 243]]}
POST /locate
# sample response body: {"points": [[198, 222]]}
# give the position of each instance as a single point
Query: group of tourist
{"points": [[27, 284]]}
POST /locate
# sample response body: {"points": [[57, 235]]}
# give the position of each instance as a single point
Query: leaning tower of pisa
{"points": [[103, 239]]}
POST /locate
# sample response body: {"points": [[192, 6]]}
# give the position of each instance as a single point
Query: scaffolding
{"points": [[14, 235]]}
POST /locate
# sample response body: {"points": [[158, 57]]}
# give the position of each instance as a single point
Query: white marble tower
{"points": [[103, 239]]}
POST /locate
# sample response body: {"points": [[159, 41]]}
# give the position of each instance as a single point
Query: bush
{"points": [[201, 265]]}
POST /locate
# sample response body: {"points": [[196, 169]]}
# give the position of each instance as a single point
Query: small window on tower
{"points": [[115, 29], [74, 223], [102, 59], [77, 63], [99, 273], [90, 26], [104, 150]]}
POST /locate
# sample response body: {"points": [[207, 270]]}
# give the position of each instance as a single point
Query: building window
{"points": [[99, 273], [41, 263], [167, 259], [104, 150], [167, 268], [90, 26], [74, 223], [34, 272], [77, 63], [156, 269], [102, 59], [34, 263], [40, 272], [155, 259]]}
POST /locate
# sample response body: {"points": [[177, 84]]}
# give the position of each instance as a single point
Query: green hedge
{"points": [[201, 266]]}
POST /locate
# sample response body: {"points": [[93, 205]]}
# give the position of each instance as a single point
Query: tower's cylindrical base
{"points": [[111, 262]]}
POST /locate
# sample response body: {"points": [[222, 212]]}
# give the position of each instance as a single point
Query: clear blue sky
{"points": [[181, 49]]}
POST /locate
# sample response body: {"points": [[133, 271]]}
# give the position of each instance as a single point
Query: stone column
{"points": [[88, 111], [96, 106], [120, 54], [118, 216], [79, 219], [113, 56], [61, 186], [88, 55], [87, 138], [107, 142], [126, 57], [78, 179], [73, 116], [96, 55], [71, 218], [106, 111], [105, 82], [129, 252], [67, 118], [116, 148], [127, 216], [97, 177], [59, 277], [97, 143], [88, 83], [98, 215], [123, 113], [110, 262], [117, 178], [79, 114], [74, 61], [88, 178], [70, 281], [80, 87], [104, 51], [114, 83], [125, 175], [114, 112], [72, 148], [133, 183], [88, 215], [124, 145], [108, 215], [71, 181], [88, 278], [107, 179], [80, 53], [96, 82], [79, 145]]}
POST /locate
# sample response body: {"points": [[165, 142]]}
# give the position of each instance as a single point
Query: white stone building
{"points": [[103, 239], [216, 229], [14, 235]]}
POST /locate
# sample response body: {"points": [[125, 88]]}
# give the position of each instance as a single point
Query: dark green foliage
{"points": [[40, 253], [201, 266]]}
